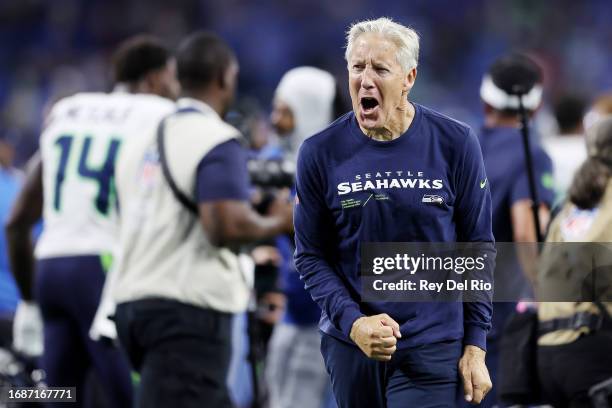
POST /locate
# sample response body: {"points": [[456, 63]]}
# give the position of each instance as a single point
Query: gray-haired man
{"points": [[363, 179]]}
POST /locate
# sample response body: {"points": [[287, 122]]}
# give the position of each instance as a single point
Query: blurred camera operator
{"points": [[512, 217], [184, 199]]}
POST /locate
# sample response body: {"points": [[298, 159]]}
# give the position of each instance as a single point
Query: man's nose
{"points": [[367, 81]]}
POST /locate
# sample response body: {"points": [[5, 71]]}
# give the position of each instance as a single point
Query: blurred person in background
{"points": [[304, 104], [10, 183], [601, 108], [578, 47], [71, 185], [184, 195], [387, 354], [306, 100], [575, 337], [504, 157], [567, 149], [250, 119], [254, 123]]}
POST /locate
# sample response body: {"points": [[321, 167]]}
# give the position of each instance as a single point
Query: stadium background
{"points": [[53, 48]]}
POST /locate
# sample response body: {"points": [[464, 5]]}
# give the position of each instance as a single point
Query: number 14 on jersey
{"points": [[100, 173]]}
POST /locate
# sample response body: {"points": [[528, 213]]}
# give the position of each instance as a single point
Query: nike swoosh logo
{"points": [[483, 183]]}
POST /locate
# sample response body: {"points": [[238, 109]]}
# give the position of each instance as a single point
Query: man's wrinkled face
{"points": [[282, 117], [377, 83]]}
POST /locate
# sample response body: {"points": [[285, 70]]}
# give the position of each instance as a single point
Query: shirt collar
{"points": [[195, 104]]}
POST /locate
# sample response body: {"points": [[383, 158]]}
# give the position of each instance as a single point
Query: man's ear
{"points": [[409, 79], [225, 78], [222, 79]]}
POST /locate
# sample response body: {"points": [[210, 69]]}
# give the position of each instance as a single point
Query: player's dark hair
{"points": [[202, 58], [515, 73], [591, 179], [569, 111], [138, 56]]}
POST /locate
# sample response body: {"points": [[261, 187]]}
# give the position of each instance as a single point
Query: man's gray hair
{"points": [[405, 38]]}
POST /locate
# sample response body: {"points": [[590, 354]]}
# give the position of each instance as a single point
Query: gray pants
{"points": [[295, 371]]}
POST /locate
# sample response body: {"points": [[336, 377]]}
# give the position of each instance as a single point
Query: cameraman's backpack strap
{"points": [[189, 204]]}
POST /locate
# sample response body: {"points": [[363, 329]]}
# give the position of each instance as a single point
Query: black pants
{"points": [[568, 371], [182, 352]]}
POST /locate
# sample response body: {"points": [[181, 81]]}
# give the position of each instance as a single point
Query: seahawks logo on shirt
{"points": [[432, 199]]}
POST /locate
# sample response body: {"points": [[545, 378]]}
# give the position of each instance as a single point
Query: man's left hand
{"points": [[474, 374]]}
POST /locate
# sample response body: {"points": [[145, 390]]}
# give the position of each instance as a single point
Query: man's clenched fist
{"points": [[376, 336]]}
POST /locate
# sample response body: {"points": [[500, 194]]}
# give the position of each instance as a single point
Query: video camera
{"points": [[272, 174], [269, 176]]}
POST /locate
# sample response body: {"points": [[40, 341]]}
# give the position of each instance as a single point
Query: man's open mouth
{"points": [[368, 105]]}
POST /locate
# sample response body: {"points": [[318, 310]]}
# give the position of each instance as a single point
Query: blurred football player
{"points": [[72, 185]]}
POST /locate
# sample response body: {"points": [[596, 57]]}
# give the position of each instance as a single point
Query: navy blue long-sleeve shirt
{"points": [[353, 189]]}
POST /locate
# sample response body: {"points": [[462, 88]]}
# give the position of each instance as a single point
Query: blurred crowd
{"points": [[51, 49]]}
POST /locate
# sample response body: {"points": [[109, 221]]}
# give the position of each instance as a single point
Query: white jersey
{"points": [[83, 137]]}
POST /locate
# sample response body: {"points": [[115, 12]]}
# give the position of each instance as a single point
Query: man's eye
{"points": [[358, 66], [383, 70]]}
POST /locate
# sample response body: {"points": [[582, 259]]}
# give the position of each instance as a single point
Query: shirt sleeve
{"points": [[314, 241], [542, 176], [222, 174], [474, 224]]}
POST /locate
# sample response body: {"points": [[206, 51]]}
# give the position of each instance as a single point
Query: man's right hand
{"points": [[376, 336]]}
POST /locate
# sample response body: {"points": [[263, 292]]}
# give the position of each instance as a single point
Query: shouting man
{"points": [[355, 184]]}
